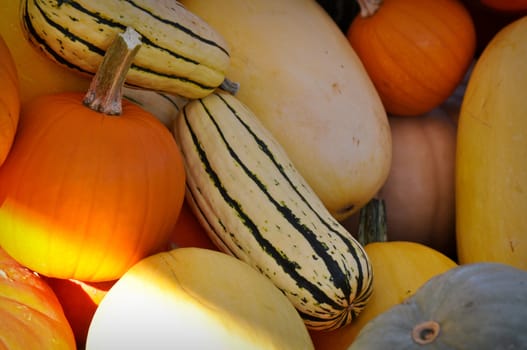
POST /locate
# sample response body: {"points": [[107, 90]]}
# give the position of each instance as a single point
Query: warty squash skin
{"points": [[299, 75], [491, 166], [195, 298], [473, 306]]}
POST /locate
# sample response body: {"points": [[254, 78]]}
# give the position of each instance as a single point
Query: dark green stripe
{"points": [[28, 24], [98, 51], [333, 267], [209, 227], [181, 28], [288, 266]]}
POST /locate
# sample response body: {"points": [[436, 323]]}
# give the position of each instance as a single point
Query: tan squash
{"points": [[419, 191], [299, 75]]}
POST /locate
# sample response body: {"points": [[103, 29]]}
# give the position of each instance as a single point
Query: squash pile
{"points": [[263, 174]]}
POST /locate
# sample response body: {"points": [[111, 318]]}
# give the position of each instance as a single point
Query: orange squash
{"points": [[79, 301], [416, 52], [85, 194], [506, 5], [419, 191], [9, 100], [31, 316], [189, 232]]}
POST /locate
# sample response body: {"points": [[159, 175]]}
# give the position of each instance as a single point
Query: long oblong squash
{"points": [[491, 160], [299, 75], [180, 54], [257, 207]]}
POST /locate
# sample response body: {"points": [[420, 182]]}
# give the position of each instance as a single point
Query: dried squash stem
{"points": [[426, 332], [105, 92], [369, 7], [372, 222]]}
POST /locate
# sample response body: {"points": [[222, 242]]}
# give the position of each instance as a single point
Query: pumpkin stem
{"points": [[372, 222], [369, 7], [426, 332], [105, 92]]}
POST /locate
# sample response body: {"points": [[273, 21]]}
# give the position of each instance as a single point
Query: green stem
{"points": [[105, 92], [372, 222]]}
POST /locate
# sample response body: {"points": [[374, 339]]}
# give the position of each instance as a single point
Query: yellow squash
{"points": [[491, 160], [299, 75]]}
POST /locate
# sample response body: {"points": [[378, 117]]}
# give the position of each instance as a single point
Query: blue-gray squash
{"points": [[476, 306]]}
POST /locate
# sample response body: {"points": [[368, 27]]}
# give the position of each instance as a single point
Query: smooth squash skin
{"points": [[419, 191], [299, 75], [9, 100], [491, 160], [195, 298], [472, 306]]}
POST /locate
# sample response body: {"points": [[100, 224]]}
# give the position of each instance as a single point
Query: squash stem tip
{"points": [[230, 86], [426, 332], [369, 7], [105, 92]]}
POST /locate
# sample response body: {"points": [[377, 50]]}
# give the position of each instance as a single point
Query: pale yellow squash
{"points": [[196, 298], [491, 161], [299, 75]]}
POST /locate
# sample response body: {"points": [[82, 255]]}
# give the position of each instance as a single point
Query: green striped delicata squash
{"points": [[257, 207], [180, 53]]}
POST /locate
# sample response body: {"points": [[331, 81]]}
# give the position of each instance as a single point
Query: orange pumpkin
{"points": [[9, 100], [84, 194], [79, 301], [189, 232], [419, 191], [416, 52], [31, 316], [506, 5]]}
